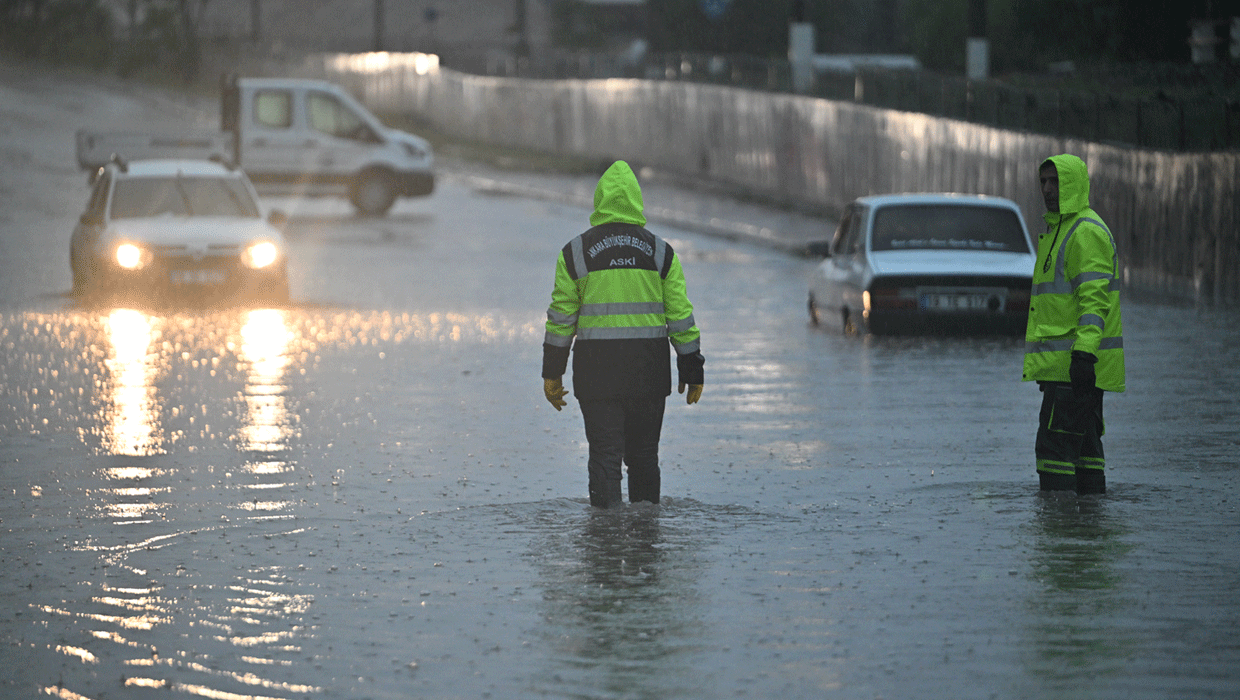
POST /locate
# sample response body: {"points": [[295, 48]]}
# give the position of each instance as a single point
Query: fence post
{"points": [[1179, 105], [1059, 113], [1097, 116], [1138, 139]]}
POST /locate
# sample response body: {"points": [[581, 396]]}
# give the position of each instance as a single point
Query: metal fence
{"points": [[1175, 216], [1207, 123]]}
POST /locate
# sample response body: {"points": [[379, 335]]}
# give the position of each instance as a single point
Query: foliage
{"points": [[1025, 34], [60, 32], [760, 27]]}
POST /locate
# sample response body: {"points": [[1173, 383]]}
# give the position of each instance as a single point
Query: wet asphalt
{"points": [[363, 494]]}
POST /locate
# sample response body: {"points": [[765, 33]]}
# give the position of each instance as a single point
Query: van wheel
{"points": [[373, 193]]}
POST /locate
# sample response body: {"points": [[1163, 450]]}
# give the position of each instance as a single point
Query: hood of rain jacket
{"points": [[618, 197], [1073, 186]]}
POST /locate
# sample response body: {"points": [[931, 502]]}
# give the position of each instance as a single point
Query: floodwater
{"points": [[365, 495]]}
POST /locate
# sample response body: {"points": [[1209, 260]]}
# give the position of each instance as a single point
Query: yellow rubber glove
{"points": [[695, 392], [555, 392]]}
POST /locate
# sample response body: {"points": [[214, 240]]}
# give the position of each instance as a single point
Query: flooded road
{"points": [[365, 495]]}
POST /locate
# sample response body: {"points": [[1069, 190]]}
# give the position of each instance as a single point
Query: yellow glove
{"points": [[555, 392], [695, 392]]}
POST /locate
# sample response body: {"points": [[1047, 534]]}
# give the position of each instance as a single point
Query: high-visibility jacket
{"points": [[619, 297], [1075, 298]]}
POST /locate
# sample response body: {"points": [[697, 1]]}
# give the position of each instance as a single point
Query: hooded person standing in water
{"points": [[1074, 344], [620, 292]]}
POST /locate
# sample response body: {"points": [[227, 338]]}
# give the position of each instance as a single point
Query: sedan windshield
{"points": [[182, 196], [947, 227]]}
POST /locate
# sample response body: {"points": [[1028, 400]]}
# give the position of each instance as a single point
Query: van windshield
{"points": [[947, 227], [182, 196]]}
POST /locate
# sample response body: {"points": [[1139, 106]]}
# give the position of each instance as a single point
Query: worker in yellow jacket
{"points": [[620, 293], [1074, 343]]}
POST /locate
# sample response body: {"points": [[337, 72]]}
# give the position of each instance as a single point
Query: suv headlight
{"points": [[260, 255], [132, 257]]}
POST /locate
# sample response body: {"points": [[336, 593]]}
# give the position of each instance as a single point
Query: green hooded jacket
{"points": [[1074, 303], [618, 198], [619, 297]]}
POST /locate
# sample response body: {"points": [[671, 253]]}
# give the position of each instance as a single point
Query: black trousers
{"points": [[623, 430], [1069, 443]]}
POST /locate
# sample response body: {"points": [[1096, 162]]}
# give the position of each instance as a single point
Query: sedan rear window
{"points": [[947, 227], [182, 196]]}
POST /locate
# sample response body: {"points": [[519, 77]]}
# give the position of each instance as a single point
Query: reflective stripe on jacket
{"points": [[1075, 297], [619, 297]]}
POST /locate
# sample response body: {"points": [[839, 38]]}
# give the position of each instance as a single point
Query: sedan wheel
{"points": [[79, 276], [814, 317], [279, 291], [850, 326]]}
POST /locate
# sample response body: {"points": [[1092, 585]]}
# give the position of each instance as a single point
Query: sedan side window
{"points": [[841, 233], [852, 232], [98, 202]]}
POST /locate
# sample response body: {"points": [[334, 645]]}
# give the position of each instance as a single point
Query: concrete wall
{"points": [[1175, 216]]}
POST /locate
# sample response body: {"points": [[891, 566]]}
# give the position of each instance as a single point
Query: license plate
{"points": [[196, 276], [955, 302]]}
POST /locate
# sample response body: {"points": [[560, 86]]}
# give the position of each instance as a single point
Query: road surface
{"points": [[365, 495]]}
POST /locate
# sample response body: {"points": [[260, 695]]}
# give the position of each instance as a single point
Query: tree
{"points": [[77, 32]]}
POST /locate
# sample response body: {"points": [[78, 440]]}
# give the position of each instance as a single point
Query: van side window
{"points": [[330, 116], [273, 108]]}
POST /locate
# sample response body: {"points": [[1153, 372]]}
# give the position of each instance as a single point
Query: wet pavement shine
{"points": [[363, 494]]}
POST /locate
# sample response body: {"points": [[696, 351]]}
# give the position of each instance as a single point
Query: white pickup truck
{"points": [[292, 137]]}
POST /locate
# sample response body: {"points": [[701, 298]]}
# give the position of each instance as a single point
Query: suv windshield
{"points": [[947, 227], [182, 196]]}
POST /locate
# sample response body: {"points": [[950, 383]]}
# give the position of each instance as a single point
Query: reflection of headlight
{"points": [[261, 255], [131, 257]]}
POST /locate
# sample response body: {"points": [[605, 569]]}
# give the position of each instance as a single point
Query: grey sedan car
{"points": [[926, 263], [194, 229]]}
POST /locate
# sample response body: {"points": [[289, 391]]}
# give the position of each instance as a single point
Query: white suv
{"points": [[189, 228]]}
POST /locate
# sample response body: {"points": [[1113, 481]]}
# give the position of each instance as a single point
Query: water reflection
{"points": [[265, 341], [182, 570], [132, 422], [619, 613], [1078, 543]]}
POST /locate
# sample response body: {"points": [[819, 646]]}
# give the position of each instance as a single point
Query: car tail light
{"points": [[884, 298]]}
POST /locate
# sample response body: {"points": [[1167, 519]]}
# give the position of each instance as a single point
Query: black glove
{"points": [[1081, 372]]}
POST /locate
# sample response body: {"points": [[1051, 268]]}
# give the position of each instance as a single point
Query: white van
{"points": [[292, 137]]}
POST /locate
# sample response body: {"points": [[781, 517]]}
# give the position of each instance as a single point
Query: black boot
{"points": [[1091, 481], [1048, 481]]}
